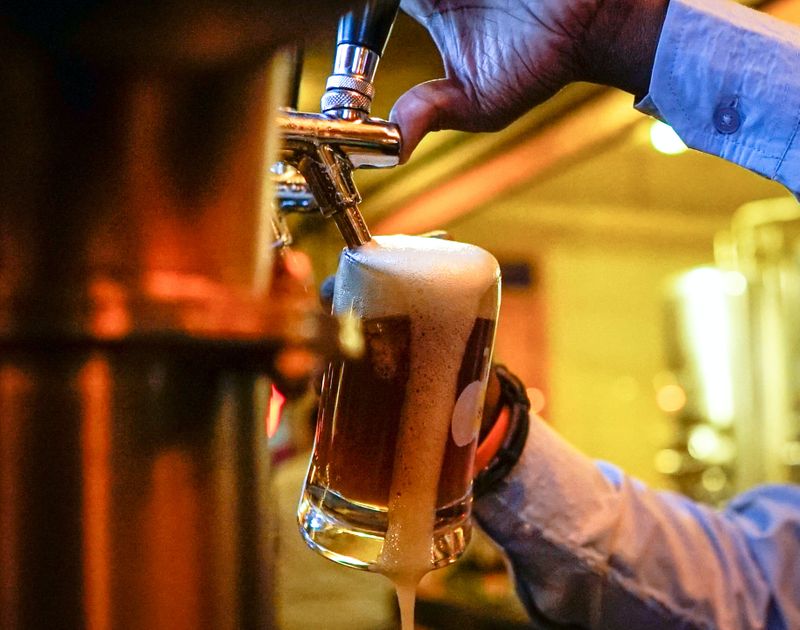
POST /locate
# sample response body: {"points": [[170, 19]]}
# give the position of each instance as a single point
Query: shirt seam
{"points": [[672, 82], [789, 144], [731, 143]]}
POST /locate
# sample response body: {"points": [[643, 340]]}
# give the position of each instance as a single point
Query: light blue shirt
{"points": [[593, 548], [727, 79]]}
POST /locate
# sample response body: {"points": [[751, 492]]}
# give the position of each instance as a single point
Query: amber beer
{"points": [[397, 429]]}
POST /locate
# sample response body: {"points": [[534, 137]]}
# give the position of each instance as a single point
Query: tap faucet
{"points": [[325, 148]]}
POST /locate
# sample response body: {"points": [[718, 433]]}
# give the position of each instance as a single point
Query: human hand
{"points": [[503, 57]]}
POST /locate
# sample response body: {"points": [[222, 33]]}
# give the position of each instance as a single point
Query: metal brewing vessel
{"points": [[135, 317]]}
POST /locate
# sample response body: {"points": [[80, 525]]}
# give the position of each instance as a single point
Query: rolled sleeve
{"points": [[726, 79]]}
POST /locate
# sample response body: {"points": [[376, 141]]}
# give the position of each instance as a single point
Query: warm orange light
{"points": [[175, 286], [110, 316], [174, 533], [671, 398], [298, 264], [295, 363], [538, 401], [276, 402], [95, 382], [15, 384]]}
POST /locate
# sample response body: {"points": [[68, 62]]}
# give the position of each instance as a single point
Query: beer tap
{"points": [[325, 148]]}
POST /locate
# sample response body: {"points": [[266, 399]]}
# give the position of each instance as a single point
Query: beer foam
{"points": [[411, 274], [443, 287]]}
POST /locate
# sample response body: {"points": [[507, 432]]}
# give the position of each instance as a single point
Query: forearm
{"points": [[600, 552]]}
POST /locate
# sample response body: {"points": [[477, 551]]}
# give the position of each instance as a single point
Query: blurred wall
{"points": [[589, 330]]}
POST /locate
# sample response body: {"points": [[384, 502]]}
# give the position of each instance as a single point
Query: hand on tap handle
{"points": [[503, 57]]}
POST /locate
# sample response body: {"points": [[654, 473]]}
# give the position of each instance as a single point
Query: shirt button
{"points": [[727, 119]]}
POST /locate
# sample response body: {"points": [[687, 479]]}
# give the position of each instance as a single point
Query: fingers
{"points": [[431, 106]]}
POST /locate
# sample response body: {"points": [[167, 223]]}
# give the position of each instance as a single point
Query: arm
{"points": [[503, 57], [724, 76], [590, 547]]}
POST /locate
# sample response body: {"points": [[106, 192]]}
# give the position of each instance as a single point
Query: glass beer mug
{"points": [[390, 474]]}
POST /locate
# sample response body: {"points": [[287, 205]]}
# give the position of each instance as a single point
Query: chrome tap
{"points": [[325, 148]]}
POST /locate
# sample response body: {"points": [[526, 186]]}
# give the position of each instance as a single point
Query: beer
{"points": [[366, 426], [388, 487]]}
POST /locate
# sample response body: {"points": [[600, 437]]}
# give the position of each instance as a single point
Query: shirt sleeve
{"points": [[726, 78], [591, 547]]}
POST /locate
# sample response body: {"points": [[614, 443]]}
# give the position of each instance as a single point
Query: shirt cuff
{"points": [[725, 78]]}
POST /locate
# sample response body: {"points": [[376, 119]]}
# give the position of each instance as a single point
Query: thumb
{"points": [[430, 106]]}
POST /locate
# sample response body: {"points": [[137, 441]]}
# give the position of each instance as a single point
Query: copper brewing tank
{"points": [[135, 317]]}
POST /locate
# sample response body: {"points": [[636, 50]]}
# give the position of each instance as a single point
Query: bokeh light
{"points": [[665, 140], [671, 398]]}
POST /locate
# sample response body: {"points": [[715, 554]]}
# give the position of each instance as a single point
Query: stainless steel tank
{"points": [[136, 323], [734, 348]]}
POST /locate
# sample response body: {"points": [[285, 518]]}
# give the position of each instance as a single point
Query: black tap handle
{"points": [[369, 27]]}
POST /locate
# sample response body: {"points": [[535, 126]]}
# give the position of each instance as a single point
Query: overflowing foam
{"points": [[443, 287]]}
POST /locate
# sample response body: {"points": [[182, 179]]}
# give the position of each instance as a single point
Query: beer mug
{"points": [[389, 481]]}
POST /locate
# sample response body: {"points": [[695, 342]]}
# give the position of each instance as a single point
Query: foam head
{"points": [[416, 276]]}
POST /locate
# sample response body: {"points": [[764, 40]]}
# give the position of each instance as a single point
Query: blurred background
{"points": [[650, 292]]}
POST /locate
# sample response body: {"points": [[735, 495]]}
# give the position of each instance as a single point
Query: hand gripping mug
{"points": [[389, 482]]}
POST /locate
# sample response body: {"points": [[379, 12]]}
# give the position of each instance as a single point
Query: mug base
{"points": [[352, 534]]}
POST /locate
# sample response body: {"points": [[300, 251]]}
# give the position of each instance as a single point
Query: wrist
{"points": [[493, 441], [501, 444], [620, 44]]}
